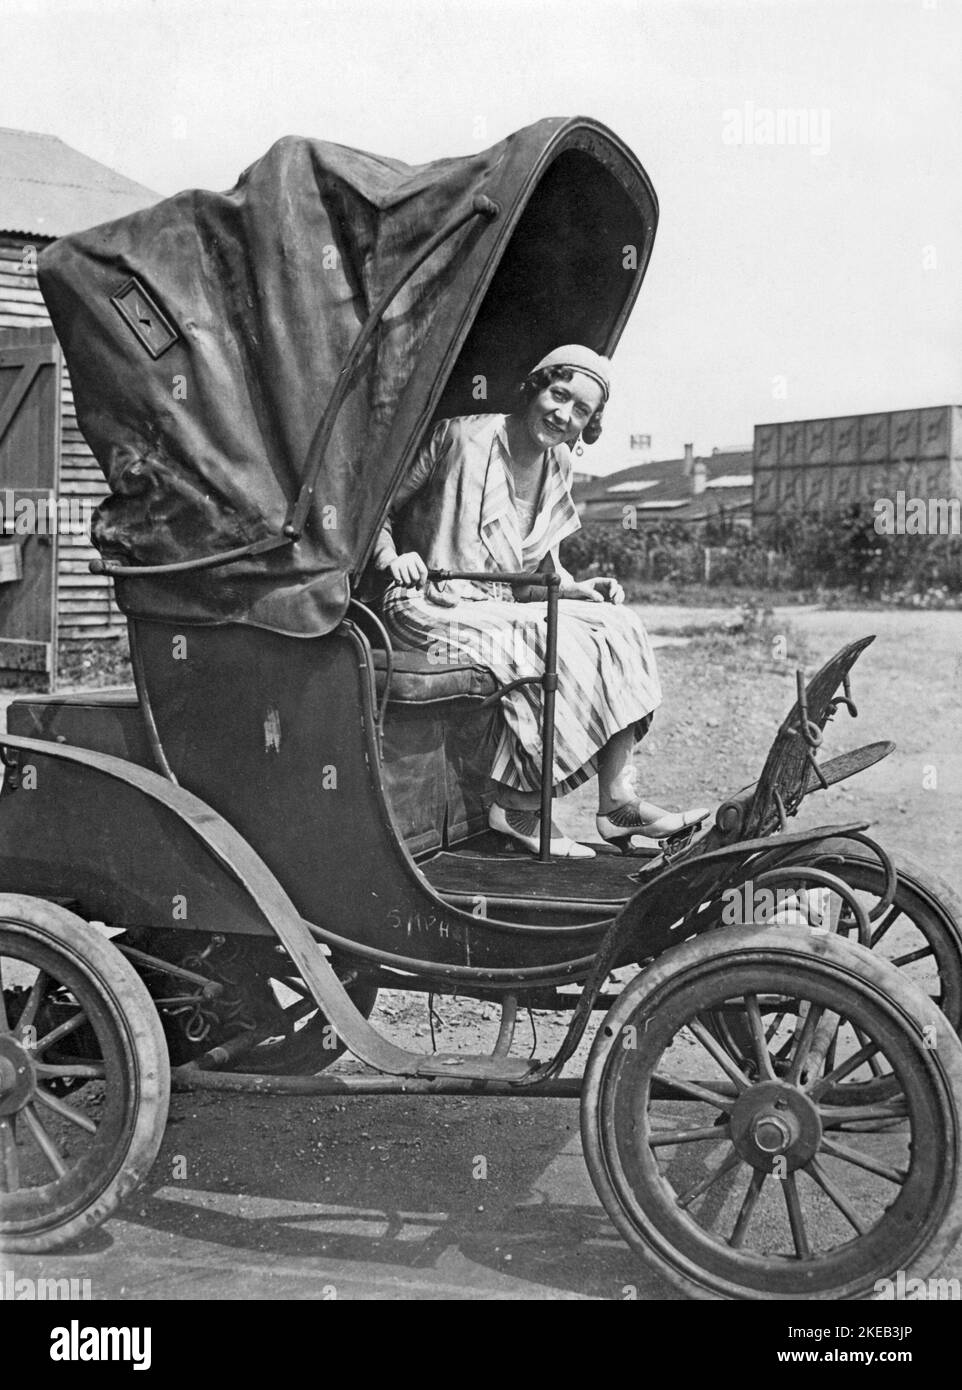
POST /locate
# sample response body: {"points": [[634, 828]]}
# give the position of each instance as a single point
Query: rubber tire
{"points": [[139, 1036], [721, 950]]}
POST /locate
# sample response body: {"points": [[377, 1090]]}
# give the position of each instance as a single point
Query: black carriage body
{"points": [[279, 736]]}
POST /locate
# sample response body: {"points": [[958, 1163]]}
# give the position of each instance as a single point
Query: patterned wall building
{"points": [[819, 464]]}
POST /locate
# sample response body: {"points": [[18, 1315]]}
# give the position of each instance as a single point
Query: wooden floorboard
{"points": [[483, 866]]}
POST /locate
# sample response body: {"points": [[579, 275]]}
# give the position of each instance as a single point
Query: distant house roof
{"points": [[731, 480], [631, 485], [48, 189], [665, 486]]}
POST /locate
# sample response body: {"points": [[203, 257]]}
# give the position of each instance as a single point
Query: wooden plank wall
{"points": [[86, 609]]}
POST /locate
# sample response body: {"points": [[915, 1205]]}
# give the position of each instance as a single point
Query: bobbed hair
{"points": [[534, 384]]}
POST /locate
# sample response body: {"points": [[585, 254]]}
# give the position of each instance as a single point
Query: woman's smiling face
{"points": [[558, 414]]}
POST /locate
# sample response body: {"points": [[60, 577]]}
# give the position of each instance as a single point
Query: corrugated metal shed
{"points": [[48, 189]]}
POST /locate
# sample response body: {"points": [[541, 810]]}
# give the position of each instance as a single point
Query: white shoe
{"points": [[621, 824], [527, 830]]}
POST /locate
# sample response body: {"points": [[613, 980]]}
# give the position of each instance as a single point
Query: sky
{"points": [[806, 156]]}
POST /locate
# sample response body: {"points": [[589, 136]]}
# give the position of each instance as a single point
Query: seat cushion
{"points": [[417, 680], [115, 696]]}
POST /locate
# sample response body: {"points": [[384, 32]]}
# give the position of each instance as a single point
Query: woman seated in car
{"points": [[492, 492]]}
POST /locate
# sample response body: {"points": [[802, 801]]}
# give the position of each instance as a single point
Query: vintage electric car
{"points": [[207, 878]]}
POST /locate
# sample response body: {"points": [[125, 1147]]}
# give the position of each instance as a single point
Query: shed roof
{"points": [[668, 476], [48, 189], [706, 506]]}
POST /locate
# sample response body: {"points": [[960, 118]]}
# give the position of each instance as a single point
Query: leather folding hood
{"points": [[204, 337]]}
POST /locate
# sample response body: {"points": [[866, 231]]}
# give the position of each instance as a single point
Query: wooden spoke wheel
{"points": [[84, 1076], [784, 1179]]}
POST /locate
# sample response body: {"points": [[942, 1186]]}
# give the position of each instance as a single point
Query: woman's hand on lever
{"points": [[409, 569], [596, 590]]}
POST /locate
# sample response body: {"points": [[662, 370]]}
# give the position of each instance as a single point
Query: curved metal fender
{"points": [[234, 853], [659, 902]]}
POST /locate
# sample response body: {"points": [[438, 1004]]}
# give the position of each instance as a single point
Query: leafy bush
{"points": [[843, 548], [797, 550]]}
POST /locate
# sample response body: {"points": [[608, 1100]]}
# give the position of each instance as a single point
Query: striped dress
{"points": [[607, 677]]}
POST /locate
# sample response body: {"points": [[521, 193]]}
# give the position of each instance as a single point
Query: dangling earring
{"points": [[579, 447]]}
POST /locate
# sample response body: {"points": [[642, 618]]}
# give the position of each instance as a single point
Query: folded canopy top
{"points": [[270, 357]]}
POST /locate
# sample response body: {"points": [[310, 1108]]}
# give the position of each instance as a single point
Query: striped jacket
{"points": [[456, 508]]}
